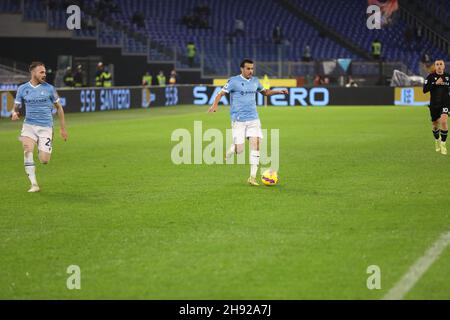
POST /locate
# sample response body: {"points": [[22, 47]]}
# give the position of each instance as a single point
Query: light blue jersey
{"points": [[38, 102], [243, 97]]}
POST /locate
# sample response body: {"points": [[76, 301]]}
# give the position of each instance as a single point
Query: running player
{"points": [[245, 122], [438, 83], [39, 98]]}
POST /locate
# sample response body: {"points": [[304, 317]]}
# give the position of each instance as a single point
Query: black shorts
{"points": [[436, 112]]}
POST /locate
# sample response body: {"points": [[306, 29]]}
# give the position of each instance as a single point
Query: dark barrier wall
{"points": [[94, 99], [122, 98], [362, 96]]}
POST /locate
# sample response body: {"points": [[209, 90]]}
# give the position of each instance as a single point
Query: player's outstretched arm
{"points": [[215, 104], [15, 112], [62, 120], [268, 92]]}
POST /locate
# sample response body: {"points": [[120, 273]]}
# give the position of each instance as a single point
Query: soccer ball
{"points": [[269, 177]]}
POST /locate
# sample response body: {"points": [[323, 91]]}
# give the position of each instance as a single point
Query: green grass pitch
{"points": [[359, 186]]}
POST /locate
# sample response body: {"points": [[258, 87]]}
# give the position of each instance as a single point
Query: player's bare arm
{"points": [[15, 112], [215, 104], [268, 92], [62, 120]]}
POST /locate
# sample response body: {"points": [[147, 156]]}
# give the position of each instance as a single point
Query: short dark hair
{"points": [[35, 64], [246, 61]]}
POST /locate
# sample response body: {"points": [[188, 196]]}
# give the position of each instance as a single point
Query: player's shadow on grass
{"points": [[292, 188], [261, 188], [70, 197]]}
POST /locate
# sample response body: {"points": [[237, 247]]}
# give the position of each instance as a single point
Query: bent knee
{"points": [[44, 159], [239, 148]]}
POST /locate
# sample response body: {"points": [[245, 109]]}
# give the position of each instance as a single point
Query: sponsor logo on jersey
{"points": [[36, 101], [247, 92]]}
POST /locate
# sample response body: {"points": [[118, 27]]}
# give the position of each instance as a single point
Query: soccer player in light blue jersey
{"points": [[39, 98], [245, 122]]}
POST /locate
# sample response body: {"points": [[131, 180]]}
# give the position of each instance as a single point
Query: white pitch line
{"points": [[414, 273]]}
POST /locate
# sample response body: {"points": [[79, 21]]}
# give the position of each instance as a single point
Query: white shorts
{"points": [[245, 129], [43, 136]]}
